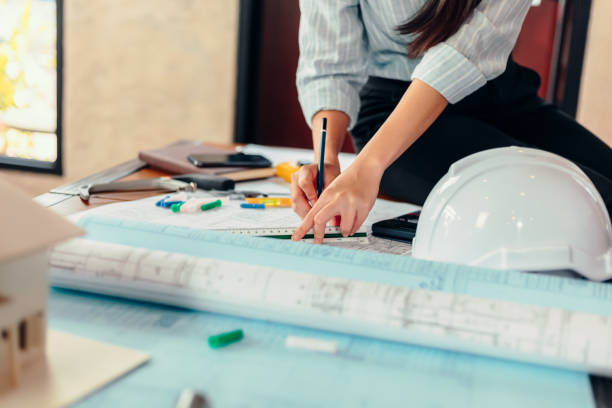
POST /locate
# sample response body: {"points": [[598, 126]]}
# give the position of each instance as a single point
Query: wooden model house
{"points": [[27, 230]]}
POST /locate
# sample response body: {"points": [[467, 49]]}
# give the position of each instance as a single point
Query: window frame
{"points": [[40, 166]]}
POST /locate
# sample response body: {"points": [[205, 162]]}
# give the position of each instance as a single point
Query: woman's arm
{"points": [[331, 70], [478, 52], [333, 58], [419, 107], [352, 194]]}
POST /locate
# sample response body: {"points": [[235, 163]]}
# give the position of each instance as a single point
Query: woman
{"points": [[439, 85]]}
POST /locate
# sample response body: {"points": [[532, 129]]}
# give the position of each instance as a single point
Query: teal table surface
{"points": [[261, 371]]}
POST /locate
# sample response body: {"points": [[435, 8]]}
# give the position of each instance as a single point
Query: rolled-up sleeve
{"points": [[477, 52], [333, 57]]}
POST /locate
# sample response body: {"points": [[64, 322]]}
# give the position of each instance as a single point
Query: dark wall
{"points": [[279, 119]]}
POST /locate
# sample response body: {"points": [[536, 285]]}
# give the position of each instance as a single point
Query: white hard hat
{"points": [[517, 208]]}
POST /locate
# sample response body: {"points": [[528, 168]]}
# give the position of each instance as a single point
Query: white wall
{"points": [[595, 104]]}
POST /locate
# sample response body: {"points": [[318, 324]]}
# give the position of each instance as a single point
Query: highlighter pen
{"points": [[211, 205], [321, 158], [279, 201], [254, 206]]}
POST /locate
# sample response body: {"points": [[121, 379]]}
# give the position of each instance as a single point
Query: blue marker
{"points": [[160, 203], [169, 204], [249, 205]]}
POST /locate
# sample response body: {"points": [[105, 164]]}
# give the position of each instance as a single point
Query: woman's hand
{"points": [[351, 196], [304, 185]]}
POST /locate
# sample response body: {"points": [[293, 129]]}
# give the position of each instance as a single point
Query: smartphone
{"points": [[228, 160], [402, 228]]}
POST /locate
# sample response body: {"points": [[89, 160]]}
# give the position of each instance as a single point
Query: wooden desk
{"points": [[66, 204]]}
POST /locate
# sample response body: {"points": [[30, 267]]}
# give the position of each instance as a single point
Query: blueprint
{"points": [[553, 336], [260, 371]]}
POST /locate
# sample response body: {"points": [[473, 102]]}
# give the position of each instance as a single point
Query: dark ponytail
{"points": [[436, 22]]}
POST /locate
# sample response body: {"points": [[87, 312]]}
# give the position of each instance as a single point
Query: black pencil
{"points": [[321, 158]]}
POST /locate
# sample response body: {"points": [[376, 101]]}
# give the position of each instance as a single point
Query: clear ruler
{"points": [[509, 314], [332, 234]]}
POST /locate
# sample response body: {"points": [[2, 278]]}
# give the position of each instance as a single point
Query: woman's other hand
{"points": [[351, 196], [304, 185]]}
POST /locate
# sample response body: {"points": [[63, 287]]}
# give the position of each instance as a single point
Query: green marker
{"points": [[224, 339], [176, 207], [208, 206]]}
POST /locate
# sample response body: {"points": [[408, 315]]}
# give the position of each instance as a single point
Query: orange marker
{"points": [[284, 170]]}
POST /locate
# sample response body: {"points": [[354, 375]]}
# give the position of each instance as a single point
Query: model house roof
{"points": [[26, 227]]}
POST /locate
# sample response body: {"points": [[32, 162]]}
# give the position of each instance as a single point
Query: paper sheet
{"points": [[260, 371], [231, 216]]}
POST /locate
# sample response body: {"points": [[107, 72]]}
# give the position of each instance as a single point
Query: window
{"points": [[30, 84]]}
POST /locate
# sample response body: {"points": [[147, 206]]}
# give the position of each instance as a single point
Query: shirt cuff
{"points": [[330, 94], [449, 72]]}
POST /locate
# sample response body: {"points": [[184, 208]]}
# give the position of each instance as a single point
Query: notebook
{"points": [[173, 159]]}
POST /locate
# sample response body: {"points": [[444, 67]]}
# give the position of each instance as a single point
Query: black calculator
{"points": [[402, 228]]}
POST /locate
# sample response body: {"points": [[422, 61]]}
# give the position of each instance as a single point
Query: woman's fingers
{"points": [[347, 221], [305, 226], [303, 187], [305, 181], [360, 218], [322, 217], [299, 202], [319, 232], [316, 219]]}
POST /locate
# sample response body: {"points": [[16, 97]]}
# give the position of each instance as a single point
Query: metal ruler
{"points": [[105, 176], [332, 234], [114, 173]]}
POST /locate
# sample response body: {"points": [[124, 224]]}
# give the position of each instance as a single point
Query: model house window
{"points": [[30, 86]]}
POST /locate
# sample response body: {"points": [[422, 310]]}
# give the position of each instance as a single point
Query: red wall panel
{"points": [[534, 48]]}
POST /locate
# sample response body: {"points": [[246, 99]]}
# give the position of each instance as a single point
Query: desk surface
{"points": [[118, 321]]}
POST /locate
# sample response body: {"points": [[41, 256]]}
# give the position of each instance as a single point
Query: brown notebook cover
{"points": [[173, 159]]}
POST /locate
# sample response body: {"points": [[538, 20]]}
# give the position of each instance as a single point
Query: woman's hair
{"points": [[436, 22]]}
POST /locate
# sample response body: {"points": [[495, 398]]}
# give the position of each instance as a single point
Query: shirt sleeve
{"points": [[333, 57], [477, 52]]}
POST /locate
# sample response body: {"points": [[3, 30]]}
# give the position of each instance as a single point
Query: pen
{"points": [[321, 158]]}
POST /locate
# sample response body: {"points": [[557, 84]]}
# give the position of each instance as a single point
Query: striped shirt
{"points": [[342, 42]]}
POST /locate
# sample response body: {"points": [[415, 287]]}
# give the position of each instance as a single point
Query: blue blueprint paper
{"points": [[260, 372], [537, 289]]}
